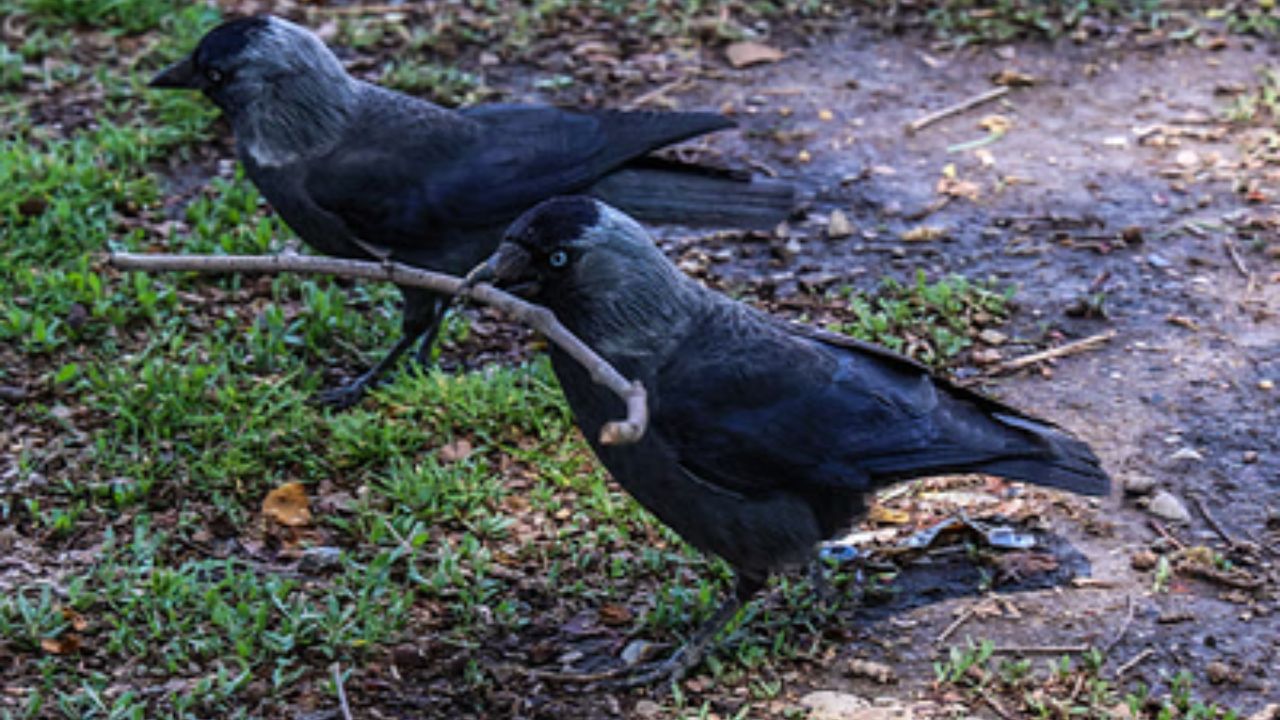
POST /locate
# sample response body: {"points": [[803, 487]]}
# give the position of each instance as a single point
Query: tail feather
{"points": [[1063, 461], [686, 196]]}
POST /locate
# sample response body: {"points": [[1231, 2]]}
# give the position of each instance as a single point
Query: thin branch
{"points": [[618, 432], [342, 693], [1070, 348], [916, 126], [1133, 662]]}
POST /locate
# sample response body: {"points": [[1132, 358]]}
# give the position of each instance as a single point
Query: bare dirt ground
{"points": [[1106, 140], [1116, 197]]}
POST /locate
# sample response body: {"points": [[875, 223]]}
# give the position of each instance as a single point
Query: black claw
{"points": [[341, 397]]}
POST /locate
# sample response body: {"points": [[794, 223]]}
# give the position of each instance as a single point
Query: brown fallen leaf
{"points": [[1013, 78], [888, 516], [612, 614], [456, 451], [924, 233], [287, 505], [747, 53], [61, 645]]}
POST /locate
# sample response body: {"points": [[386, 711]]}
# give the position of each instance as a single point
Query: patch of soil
{"points": [[1117, 176]]}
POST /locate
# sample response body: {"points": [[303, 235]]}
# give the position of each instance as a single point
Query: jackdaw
{"points": [[359, 171], [764, 435]]}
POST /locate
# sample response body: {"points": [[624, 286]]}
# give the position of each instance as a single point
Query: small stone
{"points": [[839, 226], [993, 337], [1143, 560], [319, 559], [647, 709], [1139, 484], [1167, 506], [1266, 384], [1249, 457], [987, 356], [1218, 672], [1188, 158], [1187, 453], [832, 705]]}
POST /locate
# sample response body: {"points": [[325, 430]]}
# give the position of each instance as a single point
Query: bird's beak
{"points": [[509, 269], [181, 74]]}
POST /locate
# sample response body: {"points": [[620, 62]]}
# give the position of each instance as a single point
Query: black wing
{"points": [[403, 179], [753, 406]]}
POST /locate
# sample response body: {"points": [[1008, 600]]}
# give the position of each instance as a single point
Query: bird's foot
{"points": [[343, 396], [672, 670]]}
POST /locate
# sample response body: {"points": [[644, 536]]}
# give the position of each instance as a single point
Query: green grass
{"points": [[929, 321], [1068, 686], [163, 409]]}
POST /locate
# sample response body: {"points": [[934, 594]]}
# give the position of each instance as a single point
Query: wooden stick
{"points": [[1070, 348], [618, 432], [342, 693], [1134, 661], [955, 625], [1236, 259], [1124, 627], [916, 126], [1040, 650]]}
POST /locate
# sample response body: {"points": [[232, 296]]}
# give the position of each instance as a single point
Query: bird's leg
{"points": [[421, 317], [818, 580], [423, 355], [344, 396], [685, 658]]}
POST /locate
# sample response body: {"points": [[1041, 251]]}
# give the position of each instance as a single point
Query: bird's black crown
{"points": [[553, 222], [229, 39]]}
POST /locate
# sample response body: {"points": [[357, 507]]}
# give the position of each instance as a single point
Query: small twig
{"points": [[618, 432], [1133, 662], [946, 112], [1124, 627], [1213, 521], [342, 693], [955, 625], [1164, 533], [684, 82], [995, 707], [1040, 650], [1236, 259], [1070, 348]]}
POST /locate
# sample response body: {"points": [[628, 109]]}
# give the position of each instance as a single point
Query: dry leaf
{"points": [[287, 505], [456, 451], [924, 233], [64, 645], [75, 619], [996, 124], [611, 614], [746, 54], [1013, 78], [888, 516]]}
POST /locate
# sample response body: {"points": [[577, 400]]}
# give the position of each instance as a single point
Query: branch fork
{"points": [[618, 432]]}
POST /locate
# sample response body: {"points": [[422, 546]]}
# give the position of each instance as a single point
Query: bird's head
{"points": [[277, 82], [595, 267]]}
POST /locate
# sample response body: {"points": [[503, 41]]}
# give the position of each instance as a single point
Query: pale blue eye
{"points": [[558, 259]]}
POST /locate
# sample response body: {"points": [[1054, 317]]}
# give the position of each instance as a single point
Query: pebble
{"points": [[839, 226], [647, 709], [992, 337], [1249, 457], [1139, 484], [1167, 506], [1143, 560], [1187, 453], [1218, 672], [832, 705]]}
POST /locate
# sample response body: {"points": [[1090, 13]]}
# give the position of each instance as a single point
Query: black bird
{"points": [[764, 435], [359, 171]]}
